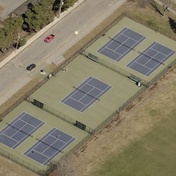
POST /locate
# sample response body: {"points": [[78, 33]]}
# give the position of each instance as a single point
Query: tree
{"points": [[22, 42], [39, 16], [47, 7], [172, 23], [14, 25], [2, 40], [56, 5], [10, 32], [33, 20], [67, 4]]}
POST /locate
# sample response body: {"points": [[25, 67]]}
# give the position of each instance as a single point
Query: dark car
{"points": [[49, 38], [30, 67]]}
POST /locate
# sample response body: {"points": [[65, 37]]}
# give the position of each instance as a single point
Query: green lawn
{"points": [[153, 155]]}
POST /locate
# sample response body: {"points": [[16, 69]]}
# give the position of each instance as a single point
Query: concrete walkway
{"points": [[170, 8]]}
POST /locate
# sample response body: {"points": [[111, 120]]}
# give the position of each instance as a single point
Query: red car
{"points": [[49, 38]]}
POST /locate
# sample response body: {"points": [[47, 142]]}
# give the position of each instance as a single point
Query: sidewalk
{"points": [[170, 8], [38, 34]]}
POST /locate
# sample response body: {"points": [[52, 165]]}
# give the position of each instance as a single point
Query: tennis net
{"points": [[18, 129], [113, 67], [49, 145], [86, 93]]}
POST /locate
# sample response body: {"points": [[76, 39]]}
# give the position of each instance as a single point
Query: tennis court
{"points": [[53, 139], [130, 48], [151, 58], [49, 146], [19, 130], [121, 44], [86, 94]]}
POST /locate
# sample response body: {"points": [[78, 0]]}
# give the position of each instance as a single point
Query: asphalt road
{"points": [[88, 15]]}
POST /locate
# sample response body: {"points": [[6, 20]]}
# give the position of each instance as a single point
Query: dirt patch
{"points": [[9, 168], [1, 9]]}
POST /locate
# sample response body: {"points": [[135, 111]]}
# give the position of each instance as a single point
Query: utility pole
{"points": [[17, 43], [60, 8]]}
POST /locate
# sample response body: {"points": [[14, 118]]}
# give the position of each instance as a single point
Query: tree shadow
{"points": [[172, 23]]}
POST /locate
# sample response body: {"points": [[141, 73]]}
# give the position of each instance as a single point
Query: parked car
{"points": [[49, 38], [30, 67]]}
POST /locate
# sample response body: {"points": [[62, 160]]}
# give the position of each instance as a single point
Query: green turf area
{"points": [[153, 155]]}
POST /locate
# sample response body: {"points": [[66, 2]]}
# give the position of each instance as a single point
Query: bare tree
{"points": [[63, 168]]}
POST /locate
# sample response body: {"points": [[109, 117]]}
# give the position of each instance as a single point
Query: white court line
{"points": [[90, 103], [60, 150], [137, 42]]}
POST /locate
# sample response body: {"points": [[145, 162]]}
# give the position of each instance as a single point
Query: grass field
{"points": [[154, 154]]}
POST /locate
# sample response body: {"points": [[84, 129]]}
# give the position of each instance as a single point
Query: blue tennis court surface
{"points": [[49, 146], [121, 44], [19, 130], [151, 58], [86, 94]]}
